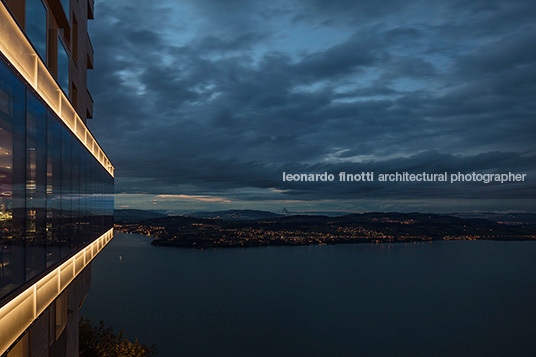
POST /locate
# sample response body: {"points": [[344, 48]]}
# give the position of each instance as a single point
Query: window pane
{"points": [[36, 26], [75, 194], [66, 187], [36, 156], [12, 172], [54, 238], [63, 67], [54, 196], [65, 4]]}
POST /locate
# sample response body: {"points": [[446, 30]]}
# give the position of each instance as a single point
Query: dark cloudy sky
{"points": [[202, 104]]}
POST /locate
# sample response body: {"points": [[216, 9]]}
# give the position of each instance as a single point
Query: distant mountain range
{"points": [[134, 215], [194, 232], [235, 215], [245, 215], [504, 218]]}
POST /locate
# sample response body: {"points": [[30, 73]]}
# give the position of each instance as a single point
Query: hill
{"points": [[304, 229], [236, 215], [135, 215]]}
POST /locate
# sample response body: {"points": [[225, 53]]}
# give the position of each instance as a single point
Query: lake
{"points": [[443, 298]]}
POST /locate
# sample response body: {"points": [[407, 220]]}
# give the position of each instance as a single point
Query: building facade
{"points": [[56, 183]]}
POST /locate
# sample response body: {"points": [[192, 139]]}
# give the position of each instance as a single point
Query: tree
{"points": [[102, 341]]}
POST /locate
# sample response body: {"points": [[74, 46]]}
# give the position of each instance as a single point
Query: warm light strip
{"points": [[18, 314], [17, 49]]}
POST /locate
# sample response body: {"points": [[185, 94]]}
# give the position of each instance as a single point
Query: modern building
{"points": [[56, 183]]}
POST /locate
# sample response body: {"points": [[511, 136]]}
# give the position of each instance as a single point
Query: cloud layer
{"points": [[205, 98]]}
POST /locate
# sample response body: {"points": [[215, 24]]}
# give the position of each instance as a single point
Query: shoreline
{"points": [[200, 244]]}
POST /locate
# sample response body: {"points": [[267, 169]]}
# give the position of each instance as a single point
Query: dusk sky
{"points": [[203, 104]]}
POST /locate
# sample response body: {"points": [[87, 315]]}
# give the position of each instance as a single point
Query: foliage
{"points": [[102, 341]]}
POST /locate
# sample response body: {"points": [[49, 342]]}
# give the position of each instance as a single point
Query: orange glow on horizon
{"points": [[201, 198]]}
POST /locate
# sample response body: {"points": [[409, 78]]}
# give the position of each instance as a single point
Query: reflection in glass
{"points": [[53, 201], [63, 67], [66, 183], [65, 4], [36, 26], [55, 197], [12, 171], [36, 123], [75, 193]]}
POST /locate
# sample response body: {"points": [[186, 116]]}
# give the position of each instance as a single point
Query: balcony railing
{"points": [[20, 53], [18, 314]]}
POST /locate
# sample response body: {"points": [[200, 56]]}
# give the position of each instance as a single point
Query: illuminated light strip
{"points": [[18, 314], [17, 49]]}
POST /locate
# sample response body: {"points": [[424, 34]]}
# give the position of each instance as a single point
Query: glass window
{"points": [[54, 242], [83, 220], [75, 193], [36, 26], [36, 179], [65, 4], [66, 187], [54, 196], [12, 173], [63, 67], [6, 158]]}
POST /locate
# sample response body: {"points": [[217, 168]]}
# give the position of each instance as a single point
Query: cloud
{"points": [[204, 100]]}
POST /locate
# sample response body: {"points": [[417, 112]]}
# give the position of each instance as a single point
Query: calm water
{"points": [[441, 298]]}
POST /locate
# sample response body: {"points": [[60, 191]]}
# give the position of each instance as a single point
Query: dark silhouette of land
{"points": [[135, 215], [375, 227], [236, 215]]}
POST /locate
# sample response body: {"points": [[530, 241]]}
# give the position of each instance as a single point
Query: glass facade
{"points": [[55, 197], [65, 5], [63, 67], [36, 26]]}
